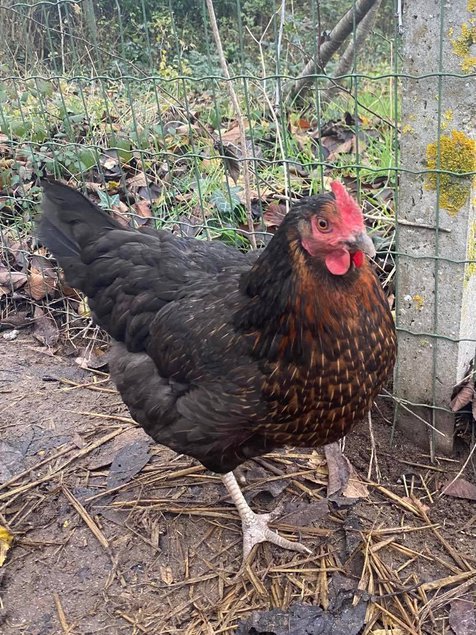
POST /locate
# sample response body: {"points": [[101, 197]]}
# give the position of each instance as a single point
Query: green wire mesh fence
{"points": [[213, 132]]}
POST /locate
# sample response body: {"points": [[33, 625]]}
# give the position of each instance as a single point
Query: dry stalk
{"points": [[239, 116]]}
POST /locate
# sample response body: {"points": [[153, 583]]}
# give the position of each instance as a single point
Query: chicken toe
{"points": [[255, 526]]}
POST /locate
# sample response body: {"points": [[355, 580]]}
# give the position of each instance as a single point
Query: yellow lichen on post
{"points": [[471, 265], [457, 153], [472, 6], [447, 118], [462, 46]]}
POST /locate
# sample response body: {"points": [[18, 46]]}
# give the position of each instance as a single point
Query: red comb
{"points": [[347, 205]]}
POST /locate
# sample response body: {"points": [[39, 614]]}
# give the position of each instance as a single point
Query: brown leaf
{"points": [[257, 477], [339, 469], [12, 279], [232, 135], [343, 479], [274, 215], [303, 124], [40, 283], [15, 321], [142, 208], [136, 181], [460, 488], [92, 358], [229, 155], [462, 617], [305, 514], [464, 396], [119, 213], [166, 574], [45, 329]]}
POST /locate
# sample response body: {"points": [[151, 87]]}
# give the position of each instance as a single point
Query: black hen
{"points": [[225, 356]]}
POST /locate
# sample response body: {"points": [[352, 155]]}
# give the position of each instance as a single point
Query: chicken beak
{"points": [[363, 242]]}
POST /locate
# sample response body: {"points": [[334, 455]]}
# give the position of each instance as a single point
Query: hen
{"points": [[225, 356]]}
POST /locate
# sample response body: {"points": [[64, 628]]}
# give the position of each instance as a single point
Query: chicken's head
{"points": [[331, 228]]}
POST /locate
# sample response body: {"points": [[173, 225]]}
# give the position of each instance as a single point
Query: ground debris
{"points": [[462, 616], [302, 619]]}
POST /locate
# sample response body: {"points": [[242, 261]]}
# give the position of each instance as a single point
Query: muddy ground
{"points": [[96, 551]]}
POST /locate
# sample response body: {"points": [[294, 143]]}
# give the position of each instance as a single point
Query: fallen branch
{"points": [[338, 35], [347, 60]]}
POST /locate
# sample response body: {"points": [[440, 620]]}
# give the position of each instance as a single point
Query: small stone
{"points": [[10, 335]]}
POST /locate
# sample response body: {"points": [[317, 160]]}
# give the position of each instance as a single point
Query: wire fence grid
{"points": [[135, 103]]}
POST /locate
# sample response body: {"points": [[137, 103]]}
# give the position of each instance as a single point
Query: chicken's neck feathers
{"points": [[292, 302]]}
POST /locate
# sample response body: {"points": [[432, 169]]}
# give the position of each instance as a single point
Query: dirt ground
{"points": [[96, 551]]}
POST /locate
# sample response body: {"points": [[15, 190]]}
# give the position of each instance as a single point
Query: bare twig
{"points": [[239, 116], [100, 537], [373, 453], [273, 113]]}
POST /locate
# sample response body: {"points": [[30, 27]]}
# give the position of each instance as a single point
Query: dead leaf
{"points": [[94, 358], [45, 329], [136, 181], [416, 502], [142, 209], [460, 488], [40, 283], [273, 487], [303, 124], [15, 321], [107, 452], [110, 160], [230, 154], [302, 619], [464, 397], [150, 193], [343, 480], [12, 279], [6, 539], [11, 460], [232, 135], [119, 213], [462, 617], [304, 514], [166, 574], [128, 462], [274, 215], [78, 441]]}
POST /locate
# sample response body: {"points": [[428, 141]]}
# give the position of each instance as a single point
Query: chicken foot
{"points": [[255, 526]]}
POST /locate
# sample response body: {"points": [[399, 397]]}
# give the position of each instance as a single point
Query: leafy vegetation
{"points": [[164, 150]]}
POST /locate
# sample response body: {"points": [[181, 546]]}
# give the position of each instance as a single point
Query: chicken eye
{"points": [[323, 224]]}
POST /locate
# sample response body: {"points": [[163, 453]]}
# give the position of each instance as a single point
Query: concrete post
{"points": [[436, 296]]}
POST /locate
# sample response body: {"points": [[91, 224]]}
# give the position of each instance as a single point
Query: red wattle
{"points": [[358, 258]]}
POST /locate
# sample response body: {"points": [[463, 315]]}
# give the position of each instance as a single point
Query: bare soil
{"points": [[159, 552]]}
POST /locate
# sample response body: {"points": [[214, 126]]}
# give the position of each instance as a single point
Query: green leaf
{"points": [[225, 202]]}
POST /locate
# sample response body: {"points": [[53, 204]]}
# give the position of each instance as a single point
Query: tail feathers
{"points": [[70, 221], [57, 241]]}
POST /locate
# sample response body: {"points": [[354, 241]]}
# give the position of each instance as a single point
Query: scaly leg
{"points": [[255, 526]]}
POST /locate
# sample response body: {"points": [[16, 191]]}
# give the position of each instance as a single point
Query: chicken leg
{"points": [[255, 526]]}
